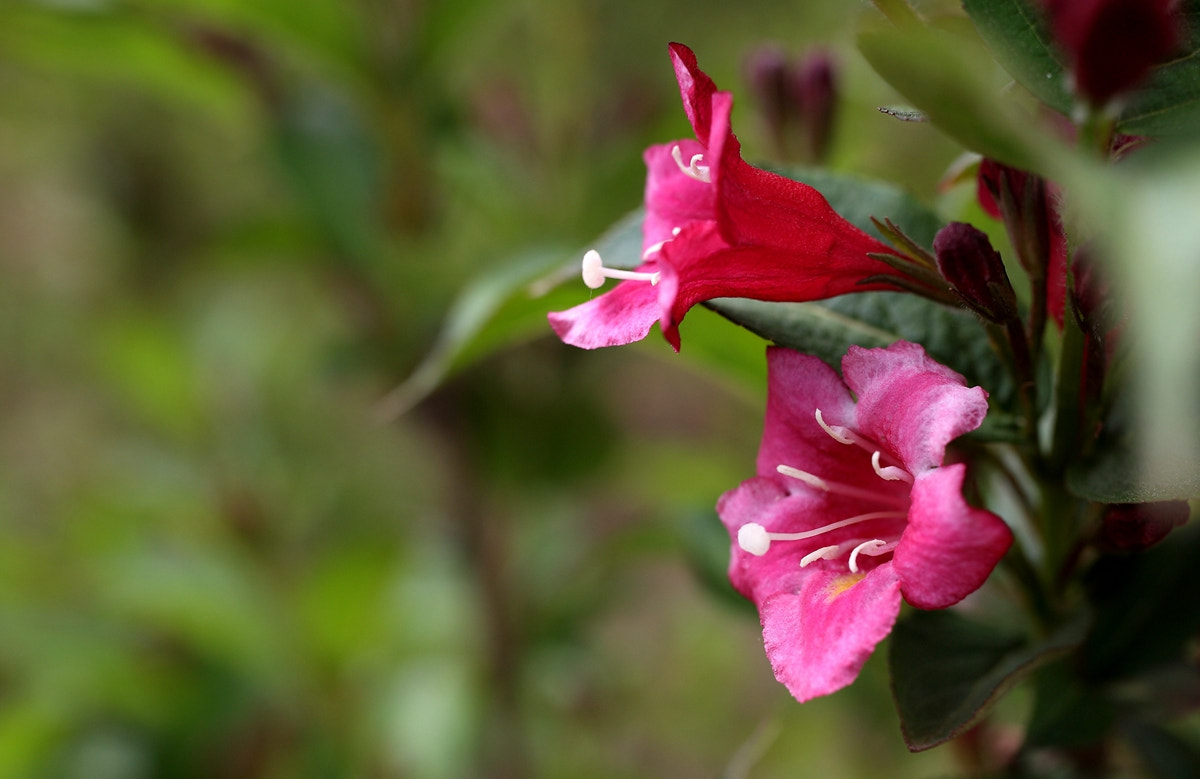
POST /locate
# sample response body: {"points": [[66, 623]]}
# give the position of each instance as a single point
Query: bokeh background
{"points": [[228, 230]]}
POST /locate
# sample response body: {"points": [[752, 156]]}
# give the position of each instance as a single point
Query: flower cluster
{"points": [[852, 509], [877, 482]]}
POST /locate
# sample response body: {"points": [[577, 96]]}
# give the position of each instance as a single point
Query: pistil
{"points": [[756, 539], [594, 272]]}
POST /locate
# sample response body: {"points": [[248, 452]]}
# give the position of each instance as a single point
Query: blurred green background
{"points": [[227, 230]]}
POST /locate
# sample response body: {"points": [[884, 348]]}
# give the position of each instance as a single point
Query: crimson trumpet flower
{"points": [[717, 227], [852, 509]]}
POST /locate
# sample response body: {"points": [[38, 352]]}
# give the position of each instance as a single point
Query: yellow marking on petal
{"points": [[841, 584]]}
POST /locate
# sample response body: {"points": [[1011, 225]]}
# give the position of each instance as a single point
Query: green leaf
{"points": [[943, 75], [871, 319], [1169, 103], [1020, 40], [1147, 607], [947, 671]]}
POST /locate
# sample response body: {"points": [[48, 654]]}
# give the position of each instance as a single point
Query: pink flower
{"points": [[717, 227], [852, 508]]}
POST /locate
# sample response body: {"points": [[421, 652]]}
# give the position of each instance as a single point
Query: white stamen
{"points": [[836, 432], [873, 548], [813, 480], [891, 472], [756, 539], [693, 169], [594, 272], [824, 553]]}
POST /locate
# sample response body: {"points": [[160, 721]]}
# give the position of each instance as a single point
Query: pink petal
{"points": [[910, 403], [673, 198], [949, 548], [622, 315], [819, 637], [797, 385]]}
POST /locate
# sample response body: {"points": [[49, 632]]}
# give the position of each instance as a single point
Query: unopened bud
{"points": [[1112, 44], [1132, 527], [975, 272], [815, 87], [768, 73]]}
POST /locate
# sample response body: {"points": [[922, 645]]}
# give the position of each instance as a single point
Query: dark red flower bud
{"points": [[1112, 44], [1132, 527], [815, 87], [769, 73], [975, 272], [1025, 203]]}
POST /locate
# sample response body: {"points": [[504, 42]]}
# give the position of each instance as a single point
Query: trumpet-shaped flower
{"points": [[852, 509], [717, 227]]}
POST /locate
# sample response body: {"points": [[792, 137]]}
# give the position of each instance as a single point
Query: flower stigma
{"points": [[594, 272]]}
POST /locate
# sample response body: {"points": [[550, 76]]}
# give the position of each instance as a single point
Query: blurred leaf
{"points": [[1067, 712], [947, 671], [1115, 473], [1151, 241], [333, 161], [505, 305], [706, 548], [472, 329], [1017, 34], [943, 75], [1166, 755], [1147, 606]]}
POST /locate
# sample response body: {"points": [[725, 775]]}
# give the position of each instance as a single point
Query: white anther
{"points": [[891, 472], [693, 169], [873, 548], [754, 538], [594, 272], [824, 553], [836, 432]]}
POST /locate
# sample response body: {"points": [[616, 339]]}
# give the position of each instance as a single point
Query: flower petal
{"points": [[673, 198], [798, 385], [695, 87], [819, 637], [910, 403], [622, 315], [949, 548]]}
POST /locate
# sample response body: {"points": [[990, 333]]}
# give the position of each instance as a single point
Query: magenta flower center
{"points": [[756, 539]]}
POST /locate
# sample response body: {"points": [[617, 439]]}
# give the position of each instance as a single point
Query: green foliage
{"points": [[947, 671], [1019, 38]]}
